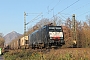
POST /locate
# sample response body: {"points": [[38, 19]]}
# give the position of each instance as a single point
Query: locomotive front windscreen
{"points": [[55, 29], [55, 32]]}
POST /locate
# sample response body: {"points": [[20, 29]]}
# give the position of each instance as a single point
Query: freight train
{"points": [[47, 36]]}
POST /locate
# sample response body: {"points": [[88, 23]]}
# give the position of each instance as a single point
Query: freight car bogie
{"points": [[38, 45], [47, 45], [55, 44]]}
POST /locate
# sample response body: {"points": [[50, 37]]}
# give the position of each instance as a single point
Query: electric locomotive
{"points": [[47, 36]]}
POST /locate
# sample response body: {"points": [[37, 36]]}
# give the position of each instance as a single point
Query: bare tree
{"points": [[1, 40], [38, 25], [57, 21], [68, 23], [88, 19]]}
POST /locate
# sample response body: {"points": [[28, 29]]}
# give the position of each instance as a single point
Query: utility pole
{"points": [[24, 23], [24, 29], [74, 28]]}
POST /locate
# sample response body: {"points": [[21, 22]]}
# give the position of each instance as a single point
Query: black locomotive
{"points": [[47, 36]]}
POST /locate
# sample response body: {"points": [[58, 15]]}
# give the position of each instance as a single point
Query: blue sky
{"points": [[12, 12]]}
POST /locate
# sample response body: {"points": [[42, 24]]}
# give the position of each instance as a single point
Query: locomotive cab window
{"points": [[53, 29]]}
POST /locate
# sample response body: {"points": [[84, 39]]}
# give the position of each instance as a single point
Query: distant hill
{"points": [[10, 36]]}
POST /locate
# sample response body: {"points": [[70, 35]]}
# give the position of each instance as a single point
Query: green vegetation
{"points": [[52, 55], [21, 55]]}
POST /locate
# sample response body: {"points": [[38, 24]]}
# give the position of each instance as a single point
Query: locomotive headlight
{"points": [[51, 37], [61, 34]]}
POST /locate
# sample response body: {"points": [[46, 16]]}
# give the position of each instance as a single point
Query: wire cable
{"points": [[70, 5], [83, 13], [80, 7], [67, 7], [34, 19], [54, 6]]}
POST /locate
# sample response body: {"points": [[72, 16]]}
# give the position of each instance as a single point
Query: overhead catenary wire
{"points": [[83, 13], [34, 18], [80, 7], [66, 7], [58, 12], [70, 5], [29, 21], [53, 7]]}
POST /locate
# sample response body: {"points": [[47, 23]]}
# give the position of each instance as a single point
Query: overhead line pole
{"points": [[24, 29], [74, 28], [25, 14], [67, 7], [34, 18], [24, 23]]}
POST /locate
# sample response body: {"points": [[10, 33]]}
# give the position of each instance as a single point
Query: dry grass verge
{"points": [[59, 54]]}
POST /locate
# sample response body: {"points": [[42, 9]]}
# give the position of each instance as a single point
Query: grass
{"points": [[21, 55], [52, 55]]}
